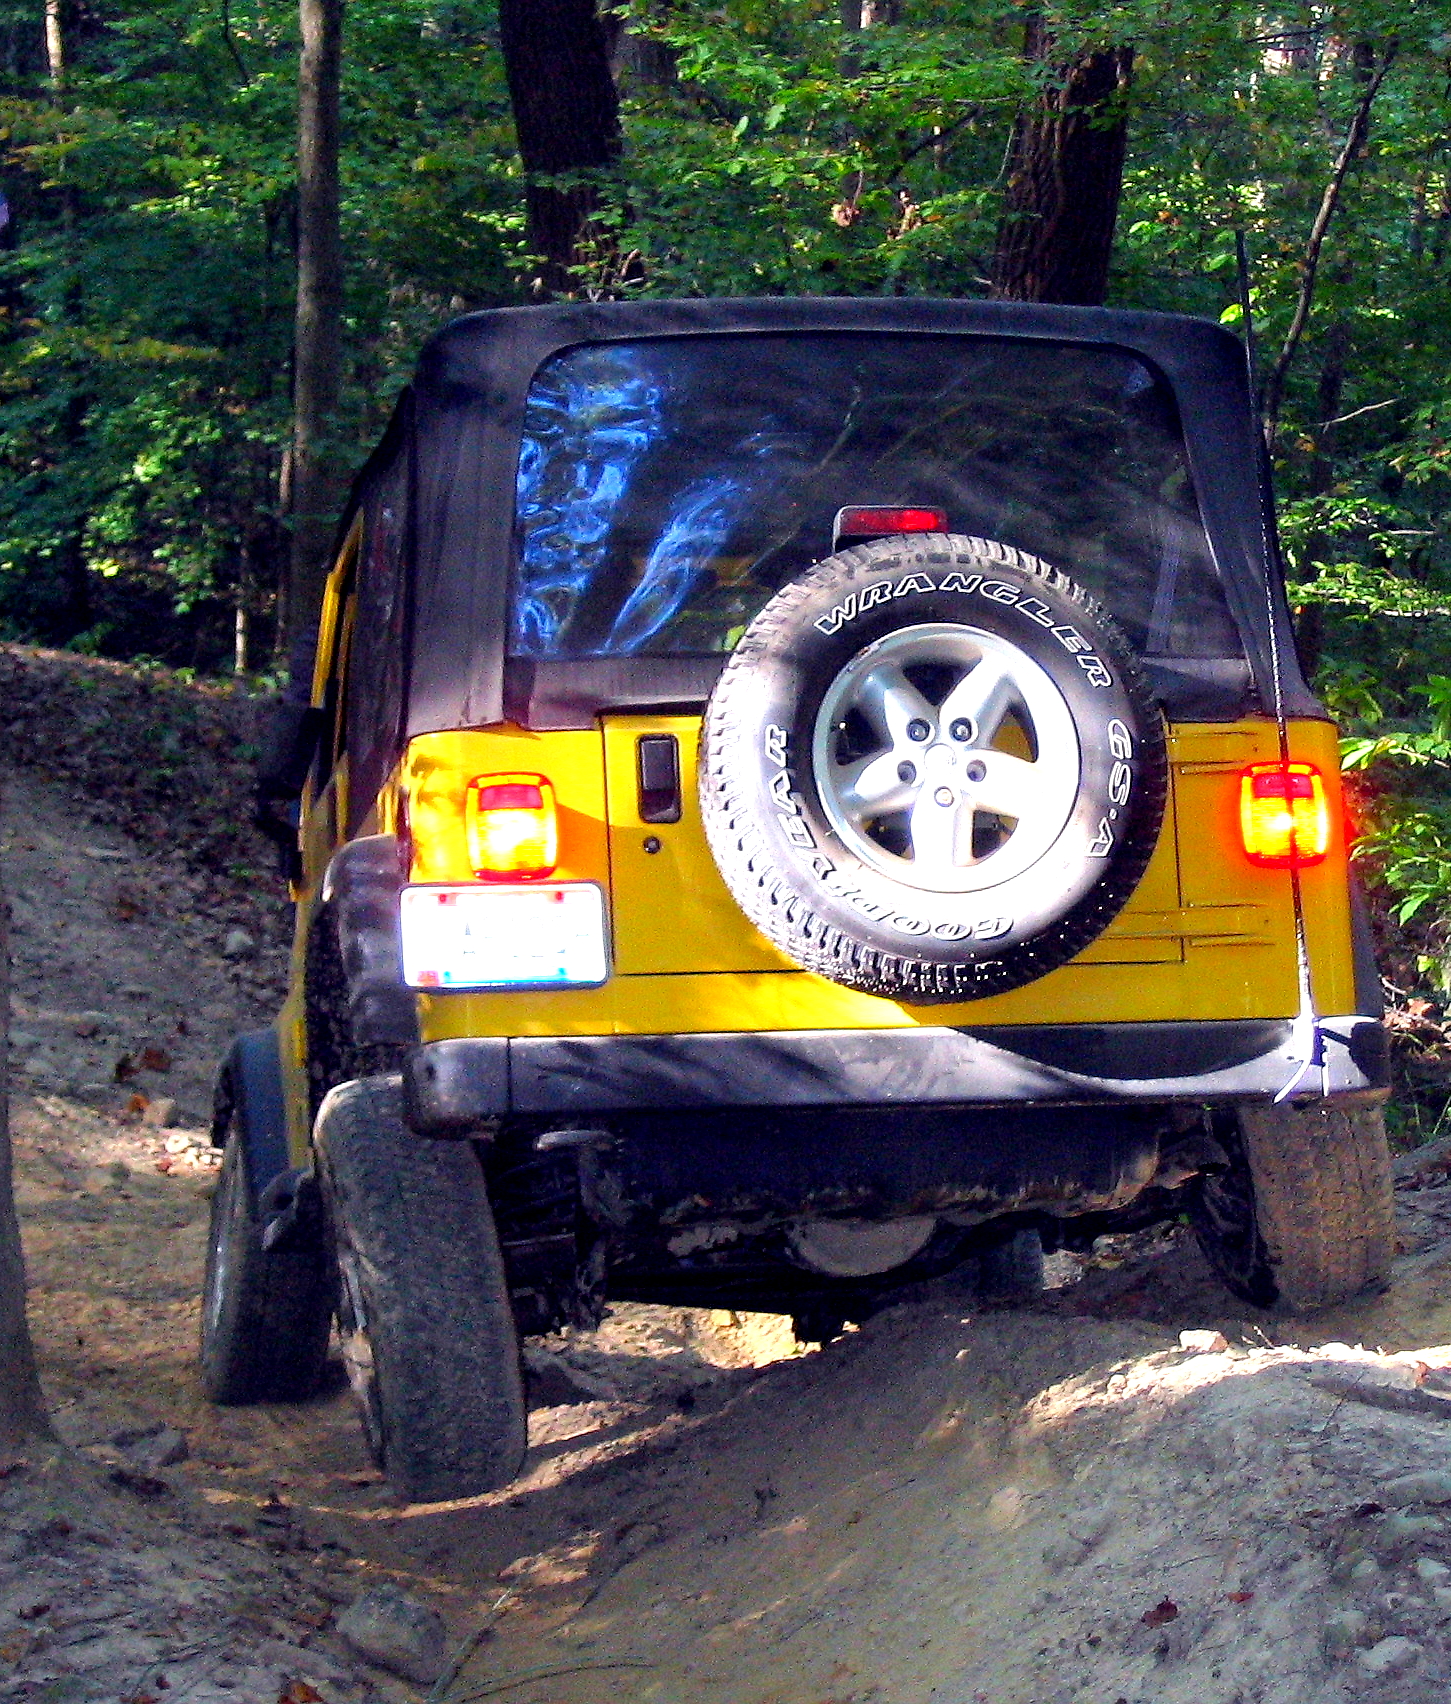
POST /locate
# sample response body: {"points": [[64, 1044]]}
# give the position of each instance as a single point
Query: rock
{"points": [[1431, 1572], [1005, 1507], [1062, 1553], [1389, 1656], [1398, 1528], [21, 1039], [1089, 1528], [1366, 1570], [106, 855], [238, 944], [1344, 1630], [552, 1381], [397, 1633], [298, 1659], [1432, 1486], [159, 1114], [1441, 1598], [162, 1449], [129, 1435], [1203, 1342]]}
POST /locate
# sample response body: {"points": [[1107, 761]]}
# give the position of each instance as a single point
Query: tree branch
{"points": [[1354, 141]]}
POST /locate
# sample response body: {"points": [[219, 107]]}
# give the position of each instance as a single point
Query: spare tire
{"points": [[931, 769]]}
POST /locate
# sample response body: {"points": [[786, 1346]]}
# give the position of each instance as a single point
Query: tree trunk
{"points": [[567, 117], [76, 613], [22, 1408], [317, 338], [54, 45], [1065, 176]]}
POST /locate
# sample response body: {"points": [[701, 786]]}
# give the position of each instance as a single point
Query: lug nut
{"points": [[961, 729], [944, 795], [918, 730], [976, 772], [907, 773]]}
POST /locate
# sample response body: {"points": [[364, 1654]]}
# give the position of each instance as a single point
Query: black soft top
{"points": [[459, 427]]}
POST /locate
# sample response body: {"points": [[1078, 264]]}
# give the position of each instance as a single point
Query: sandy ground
{"points": [[1061, 1502]]}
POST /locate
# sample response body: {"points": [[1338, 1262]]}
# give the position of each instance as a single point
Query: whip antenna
{"points": [[1307, 1040]]}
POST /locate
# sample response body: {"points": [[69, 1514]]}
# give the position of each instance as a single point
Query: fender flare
{"points": [[250, 1084], [360, 892]]}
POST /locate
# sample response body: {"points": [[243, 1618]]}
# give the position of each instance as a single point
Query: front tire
{"points": [[428, 1334], [1303, 1215], [266, 1312]]}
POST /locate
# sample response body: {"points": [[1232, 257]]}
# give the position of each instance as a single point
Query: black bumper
{"points": [[452, 1086]]}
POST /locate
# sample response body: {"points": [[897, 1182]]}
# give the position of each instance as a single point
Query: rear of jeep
{"points": [[799, 797]]}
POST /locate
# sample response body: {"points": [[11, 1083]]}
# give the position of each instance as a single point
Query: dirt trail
{"points": [[1050, 1504]]}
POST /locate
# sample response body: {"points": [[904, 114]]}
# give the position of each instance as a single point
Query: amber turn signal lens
{"points": [[513, 828], [1284, 816]]}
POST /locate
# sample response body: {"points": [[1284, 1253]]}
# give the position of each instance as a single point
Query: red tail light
{"points": [[1284, 815], [860, 522], [513, 828]]}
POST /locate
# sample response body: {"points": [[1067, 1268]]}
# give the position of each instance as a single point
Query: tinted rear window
{"points": [[667, 487]]}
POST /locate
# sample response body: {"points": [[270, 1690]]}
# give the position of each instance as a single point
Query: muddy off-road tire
{"points": [[266, 1313], [423, 1305], [1303, 1215], [931, 769]]}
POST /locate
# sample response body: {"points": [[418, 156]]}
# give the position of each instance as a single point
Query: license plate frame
{"points": [[504, 937]]}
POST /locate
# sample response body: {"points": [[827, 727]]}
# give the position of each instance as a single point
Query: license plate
{"points": [[547, 936]]}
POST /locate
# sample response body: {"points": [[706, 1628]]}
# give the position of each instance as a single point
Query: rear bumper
{"points": [[453, 1086]]}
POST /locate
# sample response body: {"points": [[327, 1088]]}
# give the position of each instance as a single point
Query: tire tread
{"points": [[415, 1214]]}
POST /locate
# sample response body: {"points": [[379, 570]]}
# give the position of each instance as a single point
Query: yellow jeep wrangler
{"points": [[793, 798]]}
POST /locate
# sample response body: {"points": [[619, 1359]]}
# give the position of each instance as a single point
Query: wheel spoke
{"points": [[889, 701], [983, 697], [1011, 787], [872, 787], [937, 831]]}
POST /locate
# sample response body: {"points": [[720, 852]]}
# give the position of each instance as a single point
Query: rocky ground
{"points": [[1128, 1490]]}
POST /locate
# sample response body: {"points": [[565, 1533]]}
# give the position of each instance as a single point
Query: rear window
{"points": [[668, 487]]}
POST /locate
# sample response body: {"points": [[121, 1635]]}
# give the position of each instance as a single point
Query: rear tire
{"points": [[266, 1313], [428, 1334], [1303, 1216]]}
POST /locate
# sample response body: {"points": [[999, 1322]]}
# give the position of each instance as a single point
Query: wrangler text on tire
{"points": [[1303, 1216], [423, 1306], [931, 769]]}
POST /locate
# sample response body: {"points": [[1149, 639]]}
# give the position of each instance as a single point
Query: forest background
{"points": [[151, 229]]}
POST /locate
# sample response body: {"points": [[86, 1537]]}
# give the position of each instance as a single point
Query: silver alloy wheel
{"points": [[908, 765]]}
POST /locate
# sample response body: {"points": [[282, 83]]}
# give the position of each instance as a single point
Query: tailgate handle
{"points": [[657, 764]]}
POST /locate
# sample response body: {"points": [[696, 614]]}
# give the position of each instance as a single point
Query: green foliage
{"points": [[145, 344]]}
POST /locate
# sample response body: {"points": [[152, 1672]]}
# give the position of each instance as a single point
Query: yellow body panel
{"points": [[1206, 935]]}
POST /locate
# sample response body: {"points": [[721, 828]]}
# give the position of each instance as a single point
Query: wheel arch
{"points": [[359, 900], [250, 1085]]}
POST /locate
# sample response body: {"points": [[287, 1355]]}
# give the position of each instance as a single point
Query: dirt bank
{"points": [[1049, 1504]]}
